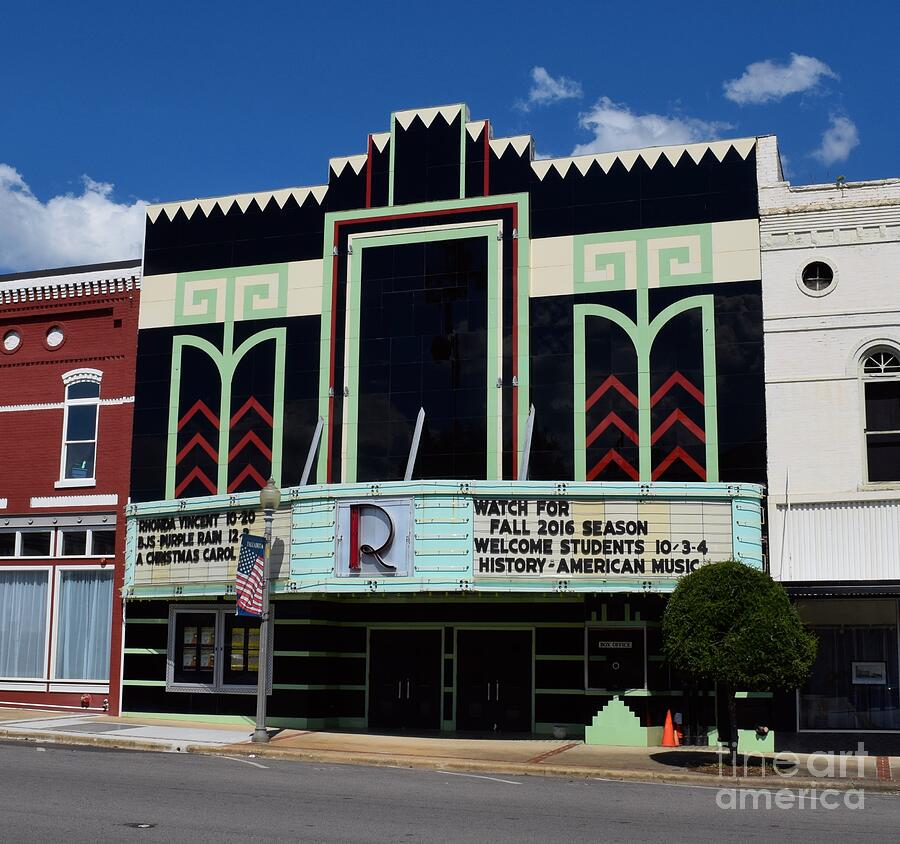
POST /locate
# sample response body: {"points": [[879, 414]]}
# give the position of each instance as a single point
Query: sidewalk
{"points": [[540, 757]]}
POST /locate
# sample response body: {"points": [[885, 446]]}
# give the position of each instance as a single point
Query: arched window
{"points": [[79, 447], [881, 391]]}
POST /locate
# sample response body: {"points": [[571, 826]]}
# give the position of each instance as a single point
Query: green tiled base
{"points": [[617, 726]]}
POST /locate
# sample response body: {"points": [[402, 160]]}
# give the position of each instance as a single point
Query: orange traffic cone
{"points": [[669, 739]]}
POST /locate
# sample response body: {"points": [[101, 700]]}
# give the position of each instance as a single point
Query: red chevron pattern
{"points": [[250, 437], [678, 453], [613, 456], [198, 407], [678, 416], [198, 474], [252, 404], [614, 383], [671, 381], [247, 472], [612, 418], [200, 440]]}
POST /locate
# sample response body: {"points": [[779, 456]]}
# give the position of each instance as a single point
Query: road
{"points": [[59, 793]]}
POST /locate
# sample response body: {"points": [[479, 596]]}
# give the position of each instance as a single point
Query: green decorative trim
{"points": [[319, 687], [178, 716], [145, 651], [147, 621], [642, 334], [226, 363], [757, 695], [361, 243], [198, 294], [143, 682], [338, 654], [521, 200]]}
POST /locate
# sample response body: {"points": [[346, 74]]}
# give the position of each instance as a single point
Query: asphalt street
{"points": [[54, 793]]}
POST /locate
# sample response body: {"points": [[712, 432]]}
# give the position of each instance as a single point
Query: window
{"points": [[83, 624], [23, 623], [12, 339], [212, 649], [35, 543], [80, 427], [881, 390], [54, 337], [817, 277], [62, 541], [87, 542], [103, 543]]}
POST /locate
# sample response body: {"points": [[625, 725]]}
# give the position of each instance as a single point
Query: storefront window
{"points": [[23, 623], [854, 682], [195, 648], [84, 611], [212, 649], [241, 650]]}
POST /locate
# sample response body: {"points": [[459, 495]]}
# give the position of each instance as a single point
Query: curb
{"points": [[106, 742], [337, 757]]}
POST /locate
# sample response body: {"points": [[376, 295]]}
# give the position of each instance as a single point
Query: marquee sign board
{"points": [[188, 548], [608, 539]]}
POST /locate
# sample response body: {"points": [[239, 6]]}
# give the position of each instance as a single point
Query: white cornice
{"points": [[650, 156], [75, 501], [243, 200], [74, 285], [58, 405]]}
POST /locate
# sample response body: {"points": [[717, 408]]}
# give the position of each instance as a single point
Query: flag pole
{"points": [[269, 499]]}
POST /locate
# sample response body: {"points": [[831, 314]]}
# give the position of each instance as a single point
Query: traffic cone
{"points": [[669, 739]]}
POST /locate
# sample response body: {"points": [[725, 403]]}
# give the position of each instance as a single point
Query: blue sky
{"points": [[105, 105]]}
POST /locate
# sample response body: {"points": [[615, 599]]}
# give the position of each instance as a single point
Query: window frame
{"points": [[817, 259], [56, 541], [218, 685], [28, 683], [70, 379], [870, 378], [57, 594]]}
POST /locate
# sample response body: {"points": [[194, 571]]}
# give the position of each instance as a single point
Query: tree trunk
{"points": [[732, 717]]}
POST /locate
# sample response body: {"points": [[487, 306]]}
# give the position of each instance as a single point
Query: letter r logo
{"points": [[371, 533]]}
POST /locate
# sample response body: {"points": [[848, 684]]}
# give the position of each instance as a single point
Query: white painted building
{"points": [[831, 301]]}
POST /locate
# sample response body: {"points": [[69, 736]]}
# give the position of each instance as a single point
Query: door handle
{"points": [[399, 684], [489, 691], [497, 691], [407, 688]]}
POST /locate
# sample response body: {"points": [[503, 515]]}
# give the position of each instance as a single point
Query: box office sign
{"points": [[602, 539], [194, 547]]}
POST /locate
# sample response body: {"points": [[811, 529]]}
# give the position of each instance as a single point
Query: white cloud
{"points": [[615, 127], [68, 229], [838, 141], [546, 90], [766, 81]]}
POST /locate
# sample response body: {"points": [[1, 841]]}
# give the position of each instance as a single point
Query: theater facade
{"points": [[600, 315]]}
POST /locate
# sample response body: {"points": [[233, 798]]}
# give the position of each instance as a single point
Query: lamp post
{"points": [[269, 499]]}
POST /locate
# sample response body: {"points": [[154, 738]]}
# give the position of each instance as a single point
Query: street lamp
{"points": [[269, 499]]}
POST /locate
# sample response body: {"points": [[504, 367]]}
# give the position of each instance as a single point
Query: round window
{"points": [[817, 277], [55, 336], [11, 340]]}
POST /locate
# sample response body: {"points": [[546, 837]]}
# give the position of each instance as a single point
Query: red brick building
{"points": [[67, 359]]}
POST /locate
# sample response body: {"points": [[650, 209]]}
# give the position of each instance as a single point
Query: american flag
{"points": [[249, 583]]}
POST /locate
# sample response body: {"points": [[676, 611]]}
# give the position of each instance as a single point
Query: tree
{"points": [[734, 625]]}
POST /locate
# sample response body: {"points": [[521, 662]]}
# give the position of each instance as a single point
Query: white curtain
{"points": [[84, 617], [23, 623]]}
